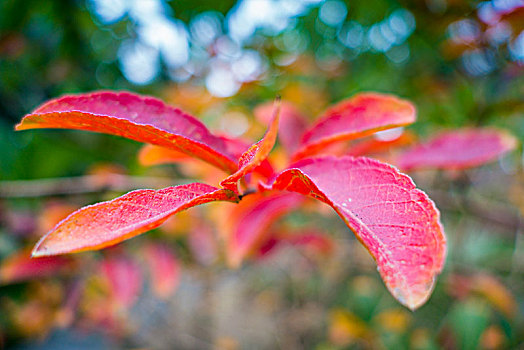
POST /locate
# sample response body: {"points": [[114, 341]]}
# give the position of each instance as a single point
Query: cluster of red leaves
{"points": [[395, 221]]}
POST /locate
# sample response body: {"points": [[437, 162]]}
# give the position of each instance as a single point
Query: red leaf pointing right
{"points": [[359, 116], [140, 118], [459, 149], [104, 224], [395, 221]]}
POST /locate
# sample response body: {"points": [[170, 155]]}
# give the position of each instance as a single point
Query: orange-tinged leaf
{"points": [[164, 269], [205, 172], [19, 267], [459, 149], [256, 154], [107, 223], [250, 220], [359, 116], [396, 222], [155, 155], [140, 118]]}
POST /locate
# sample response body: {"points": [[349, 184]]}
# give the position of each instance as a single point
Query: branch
{"points": [[79, 184]]}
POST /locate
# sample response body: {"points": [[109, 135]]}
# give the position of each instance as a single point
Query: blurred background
{"points": [[460, 62]]}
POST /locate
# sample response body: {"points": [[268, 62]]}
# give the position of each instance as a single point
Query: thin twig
{"points": [[79, 184]]}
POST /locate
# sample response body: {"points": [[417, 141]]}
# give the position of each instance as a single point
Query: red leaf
{"points": [[20, 267], [107, 223], [125, 279], [164, 269], [396, 222], [256, 154], [359, 116], [137, 117], [292, 124], [250, 220], [459, 149]]}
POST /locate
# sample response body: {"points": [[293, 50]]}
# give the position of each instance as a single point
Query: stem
{"points": [[247, 193]]}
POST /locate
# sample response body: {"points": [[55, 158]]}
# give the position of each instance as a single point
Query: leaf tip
{"points": [[37, 253], [415, 297], [20, 126], [42, 250]]}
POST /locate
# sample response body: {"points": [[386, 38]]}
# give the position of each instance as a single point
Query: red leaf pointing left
{"points": [[140, 118], [107, 223]]}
